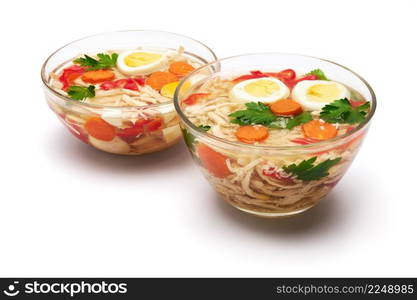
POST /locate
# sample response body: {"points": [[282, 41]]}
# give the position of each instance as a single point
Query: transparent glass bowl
{"points": [[74, 114], [246, 188]]}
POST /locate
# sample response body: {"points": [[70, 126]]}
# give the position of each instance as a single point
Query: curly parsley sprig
{"points": [[307, 171], [104, 61], [261, 114], [341, 111]]}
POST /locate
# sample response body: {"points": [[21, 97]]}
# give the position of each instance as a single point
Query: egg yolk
{"points": [[168, 90], [138, 59], [261, 88], [323, 92]]}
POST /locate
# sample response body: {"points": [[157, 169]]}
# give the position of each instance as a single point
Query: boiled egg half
{"points": [[315, 94], [266, 90], [140, 62]]}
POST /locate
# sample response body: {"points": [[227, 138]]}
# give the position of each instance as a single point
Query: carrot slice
{"points": [[250, 134], [180, 68], [100, 129], [320, 130], [213, 161], [158, 79], [97, 76], [286, 107]]}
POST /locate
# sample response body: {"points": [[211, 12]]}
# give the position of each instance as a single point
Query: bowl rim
{"points": [[98, 106], [198, 131]]}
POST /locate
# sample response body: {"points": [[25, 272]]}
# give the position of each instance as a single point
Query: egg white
{"points": [[300, 94], [144, 69], [238, 93]]}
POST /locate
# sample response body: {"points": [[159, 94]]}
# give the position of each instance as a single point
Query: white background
{"points": [[69, 210]]}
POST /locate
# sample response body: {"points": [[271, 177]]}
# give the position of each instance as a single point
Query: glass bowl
{"points": [[243, 186], [74, 114]]}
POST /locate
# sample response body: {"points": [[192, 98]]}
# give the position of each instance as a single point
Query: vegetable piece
{"points": [[318, 73], [298, 120], [180, 68], [252, 75], [255, 113], [276, 174], [304, 141], [129, 134], [189, 139], [307, 171], [286, 107], [80, 92], [69, 75], [105, 61], [250, 134], [193, 98], [319, 130], [284, 75], [97, 76], [204, 127], [100, 129], [356, 103], [158, 79], [343, 112], [125, 83], [152, 125], [213, 161]]}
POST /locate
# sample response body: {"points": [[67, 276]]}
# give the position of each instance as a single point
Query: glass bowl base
{"points": [[274, 214]]}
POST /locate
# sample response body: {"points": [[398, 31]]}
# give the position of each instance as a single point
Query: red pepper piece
{"points": [[153, 125], [70, 74], [129, 134], [356, 103], [274, 173], [193, 98], [304, 141], [252, 75]]}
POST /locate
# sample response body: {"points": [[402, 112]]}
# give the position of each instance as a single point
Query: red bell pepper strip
{"points": [[70, 74], [304, 141], [193, 98], [274, 173], [126, 83]]}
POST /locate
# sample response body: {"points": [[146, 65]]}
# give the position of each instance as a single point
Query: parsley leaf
{"points": [[105, 61], [204, 127], [259, 113], [255, 113], [189, 139], [307, 171], [341, 111], [80, 93], [300, 119], [318, 73]]}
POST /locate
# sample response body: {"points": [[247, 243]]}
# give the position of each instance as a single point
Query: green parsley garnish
{"points": [[80, 93], [255, 113], [341, 111], [307, 171], [318, 73], [105, 61], [204, 127], [298, 120], [189, 139], [259, 113]]}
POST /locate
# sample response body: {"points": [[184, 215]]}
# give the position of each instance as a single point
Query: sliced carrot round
{"points": [[213, 161], [98, 76], [100, 129], [320, 130], [158, 79], [286, 107], [250, 134], [180, 68]]}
